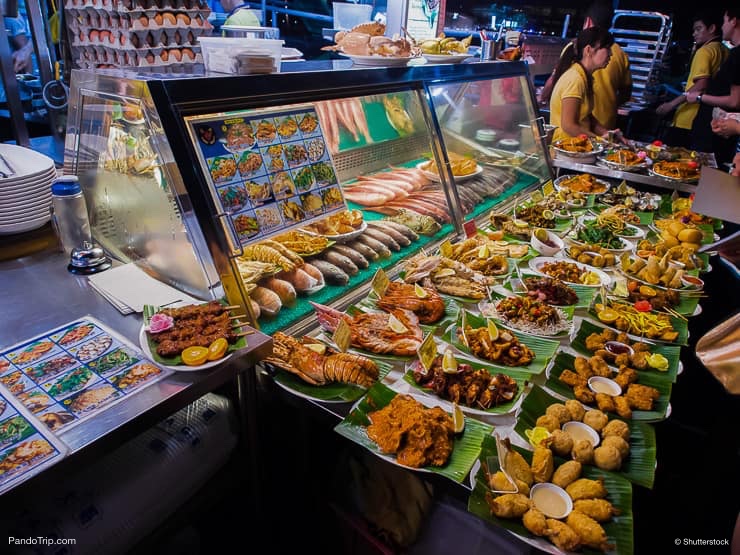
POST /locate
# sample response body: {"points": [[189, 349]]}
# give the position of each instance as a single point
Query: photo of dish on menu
{"points": [[269, 169]]}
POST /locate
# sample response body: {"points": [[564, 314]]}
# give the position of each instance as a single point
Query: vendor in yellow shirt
{"points": [[710, 54], [572, 100]]}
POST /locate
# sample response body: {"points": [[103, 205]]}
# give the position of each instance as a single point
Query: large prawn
{"points": [[430, 308]]}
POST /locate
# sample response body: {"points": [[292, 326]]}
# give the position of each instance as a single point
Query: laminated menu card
{"points": [[71, 373]]}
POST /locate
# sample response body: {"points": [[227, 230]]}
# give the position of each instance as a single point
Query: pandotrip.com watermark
{"points": [[40, 540], [700, 542]]}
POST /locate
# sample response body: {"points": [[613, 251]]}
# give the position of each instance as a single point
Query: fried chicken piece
{"points": [[568, 377], [603, 353], [559, 411], [517, 467], [626, 376], [508, 505], [616, 428], [562, 535], [567, 473], [584, 394], [622, 407], [594, 342], [542, 464], [575, 409], [596, 419], [622, 446], [622, 337], [605, 402], [548, 421], [583, 451], [622, 360], [535, 521], [590, 531], [598, 509], [599, 367], [609, 335], [640, 347], [582, 368], [584, 488], [639, 360], [560, 442], [607, 457], [641, 397], [499, 482]]}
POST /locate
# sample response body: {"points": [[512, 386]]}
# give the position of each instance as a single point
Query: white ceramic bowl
{"points": [[545, 249], [579, 430], [550, 499], [599, 384]]}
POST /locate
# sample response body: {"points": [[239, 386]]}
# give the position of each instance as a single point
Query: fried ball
{"points": [[499, 482], [518, 468], [590, 531], [603, 353], [562, 535], [542, 464], [584, 488], [575, 409], [560, 442], [615, 441], [596, 419], [508, 505], [609, 335], [598, 509], [583, 451], [566, 474], [623, 407], [622, 337], [616, 428], [607, 457], [559, 411], [622, 360], [535, 521], [548, 421], [605, 402]]}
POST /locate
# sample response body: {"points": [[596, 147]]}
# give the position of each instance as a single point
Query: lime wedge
{"points": [[536, 435], [317, 347], [449, 363], [458, 419], [396, 325], [444, 272], [658, 361], [492, 330], [520, 223], [419, 291], [483, 251]]}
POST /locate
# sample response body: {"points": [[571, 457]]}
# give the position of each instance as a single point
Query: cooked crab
{"points": [[368, 39]]}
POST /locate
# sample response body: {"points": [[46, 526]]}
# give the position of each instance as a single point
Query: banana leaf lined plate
{"points": [[670, 352], [619, 530], [466, 447], [335, 392], [585, 293], [488, 309], [638, 467], [543, 349], [688, 299], [368, 304], [681, 326], [565, 360], [504, 408]]}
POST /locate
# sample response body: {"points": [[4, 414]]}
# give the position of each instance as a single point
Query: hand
{"points": [[726, 127], [691, 96], [22, 61]]}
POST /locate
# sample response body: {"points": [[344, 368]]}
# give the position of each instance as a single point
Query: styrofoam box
{"points": [[228, 54]]}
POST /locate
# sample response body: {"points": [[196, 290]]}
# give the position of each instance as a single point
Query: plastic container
{"points": [[241, 56], [69, 213], [347, 15], [251, 32]]}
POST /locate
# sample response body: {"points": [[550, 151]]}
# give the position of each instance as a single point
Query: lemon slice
{"points": [[492, 330], [591, 278], [449, 363], [658, 361], [540, 234], [317, 347], [396, 325], [501, 243], [419, 291], [444, 272], [548, 214], [536, 435], [521, 223], [483, 251], [458, 419]]}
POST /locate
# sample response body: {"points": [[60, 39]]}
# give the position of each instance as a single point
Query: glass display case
{"points": [[207, 181]]}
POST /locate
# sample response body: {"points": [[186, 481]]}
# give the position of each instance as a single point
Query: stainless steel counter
{"points": [[38, 294]]}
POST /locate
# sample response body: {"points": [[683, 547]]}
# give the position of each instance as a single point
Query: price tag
{"points": [[342, 335], [537, 196], [548, 188], [470, 228], [380, 282], [445, 249], [427, 351]]}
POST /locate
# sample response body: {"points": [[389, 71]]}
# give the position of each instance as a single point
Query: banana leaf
{"points": [[671, 353], [466, 447], [521, 379], [331, 392], [646, 218], [568, 311], [619, 530], [544, 349], [584, 292], [688, 299], [565, 360], [639, 465], [681, 326]]}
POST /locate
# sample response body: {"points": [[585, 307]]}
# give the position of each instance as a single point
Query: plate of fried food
{"points": [[569, 271], [340, 228], [578, 147], [684, 172], [463, 168], [624, 159], [582, 183]]}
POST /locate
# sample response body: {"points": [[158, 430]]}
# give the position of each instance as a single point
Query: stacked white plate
{"points": [[25, 195]]}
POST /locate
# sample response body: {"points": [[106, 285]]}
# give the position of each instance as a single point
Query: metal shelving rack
{"points": [[644, 36]]}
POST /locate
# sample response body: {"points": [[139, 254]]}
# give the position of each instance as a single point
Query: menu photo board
{"points": [[269, 170]]}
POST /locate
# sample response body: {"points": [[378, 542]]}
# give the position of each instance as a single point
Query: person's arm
{"points": [[569, 118], [730, 103], [726, 127], [23, 48], [699, 86], [546, 91]]}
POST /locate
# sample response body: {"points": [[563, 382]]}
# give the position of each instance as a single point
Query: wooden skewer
{"points": [[237, 316], [242, 334]]}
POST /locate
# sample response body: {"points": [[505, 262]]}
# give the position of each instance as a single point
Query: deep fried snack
{"points": [[628, 375], [560, 442], [639, 360], [622, 360], [599, 366], [584, 394], [582, 367], [621, 445], [641, 397], [575, 409], [562, 535], [605, 402], [542, 464], [596, 419], [584, 488], [518, 467], [623, 407], [598, 509], [508, 505], [603, 353], [567, 473], [640, 347], [583, 451], [535, 521], [499, 482], [607, 457], [548, 421], [595, 341], [559, 411], [616, 428], [622, 337], [590, 531], [568, 377]]}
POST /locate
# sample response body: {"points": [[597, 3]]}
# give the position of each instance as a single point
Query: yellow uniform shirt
{"points": [[706, 62], [614, 77], [572, 84]]}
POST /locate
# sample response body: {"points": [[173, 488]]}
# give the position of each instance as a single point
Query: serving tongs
{"points": [[503, 447]]}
